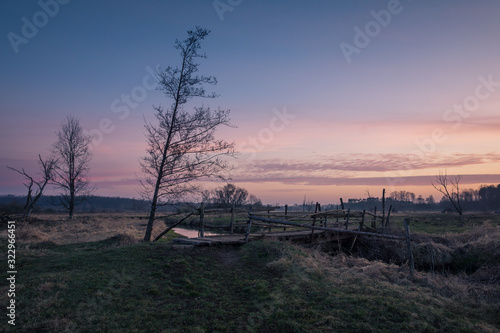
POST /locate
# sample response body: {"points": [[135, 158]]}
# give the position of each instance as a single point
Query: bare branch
{"points": [[47, 170]]}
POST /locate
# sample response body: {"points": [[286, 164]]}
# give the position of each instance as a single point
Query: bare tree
{"points": [[230, 194], [307, 205], [449, 187], [47, 172], [181, 146], [254, 201], [71, 172]]}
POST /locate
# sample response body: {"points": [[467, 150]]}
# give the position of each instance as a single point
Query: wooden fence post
{"points": [[383, 207], [408, 246], [387, 221], [361, 225], [319, 209], [374, 221], [232, 219], [286, 216], [347, 220], [249, 226], [202, 219], [314, 221]]}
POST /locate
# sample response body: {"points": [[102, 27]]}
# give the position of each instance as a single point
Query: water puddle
{"points": [[190, 233]]}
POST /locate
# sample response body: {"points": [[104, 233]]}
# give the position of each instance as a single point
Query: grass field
{"points": [[93, 275], [438, 223]]}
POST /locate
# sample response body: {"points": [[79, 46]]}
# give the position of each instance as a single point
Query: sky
{"points": [[329, 99]]}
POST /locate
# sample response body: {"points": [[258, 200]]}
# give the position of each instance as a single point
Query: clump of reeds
{"points": [[433, 255]]}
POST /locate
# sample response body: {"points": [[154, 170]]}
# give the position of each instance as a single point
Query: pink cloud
{"points": [[366, 181], [371, 162]]}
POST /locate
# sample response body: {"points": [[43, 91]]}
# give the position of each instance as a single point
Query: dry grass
{"points": [[431, 254], [458, 287], [388, 285], [56, 228], [473, 249]]}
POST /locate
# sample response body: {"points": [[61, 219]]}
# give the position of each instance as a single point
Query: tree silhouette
{"points": [[181, 145], [47, 173], [449, 187], [73, 152]]}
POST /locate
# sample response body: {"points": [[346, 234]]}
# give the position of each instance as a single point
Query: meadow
{"points": [[93, 274]]}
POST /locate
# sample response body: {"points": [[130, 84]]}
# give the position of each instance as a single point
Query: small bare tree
{"points": [[71, 172], [181, 145], [449, 187], [254, 201], [47, 172]]}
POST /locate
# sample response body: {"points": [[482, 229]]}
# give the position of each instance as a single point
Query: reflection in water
{"points": [[190, 233]]}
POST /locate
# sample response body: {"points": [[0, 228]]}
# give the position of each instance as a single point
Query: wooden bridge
{"points": [[301, 236], [329, 226]]}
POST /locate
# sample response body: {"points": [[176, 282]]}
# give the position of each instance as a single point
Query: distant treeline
{"points": [[48, 204], [486, 198]]}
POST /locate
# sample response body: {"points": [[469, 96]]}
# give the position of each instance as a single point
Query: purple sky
{"points": [[330, 98]]}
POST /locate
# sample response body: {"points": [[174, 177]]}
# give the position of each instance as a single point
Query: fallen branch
{"points": [[173, 226]]}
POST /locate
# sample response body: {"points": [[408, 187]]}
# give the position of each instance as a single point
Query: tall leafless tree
{"points": [[181, 145], [71, 172], [449, 187], [47, 172]]}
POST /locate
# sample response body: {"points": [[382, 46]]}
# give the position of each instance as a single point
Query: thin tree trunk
{"points": [[154, 201], [71, 205], [149, 227], [27, 205]]}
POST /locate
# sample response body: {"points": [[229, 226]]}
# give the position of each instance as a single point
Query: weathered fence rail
{"points": [[337, 230]]}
